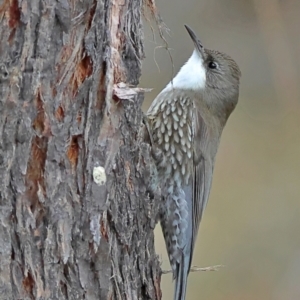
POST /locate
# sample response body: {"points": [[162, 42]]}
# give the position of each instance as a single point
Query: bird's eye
{"points": [[212, 65]]}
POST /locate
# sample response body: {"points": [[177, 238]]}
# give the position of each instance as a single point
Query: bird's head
{"points": [[213, 74]]}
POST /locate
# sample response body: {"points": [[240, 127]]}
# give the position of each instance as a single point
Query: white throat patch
{"points": [[192, 75]]}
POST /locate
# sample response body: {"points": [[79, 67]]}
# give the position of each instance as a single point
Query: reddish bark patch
{"points": [[13, 14], [34, 178], [86, 66], [13, 19], [60, 114], [73, 151], [103, 230], [83, 70], [28, 284], [102, 89], [39, 122], [35, 169]]}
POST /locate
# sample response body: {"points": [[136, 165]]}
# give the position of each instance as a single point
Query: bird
{"points": [[186, 121]]}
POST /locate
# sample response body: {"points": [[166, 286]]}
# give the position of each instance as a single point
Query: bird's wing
{"points": [[203, 163]]}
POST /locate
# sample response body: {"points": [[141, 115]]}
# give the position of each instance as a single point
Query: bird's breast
{"points": [[173, 135]]}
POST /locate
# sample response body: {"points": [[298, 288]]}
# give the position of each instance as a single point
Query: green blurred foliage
{"points": [[252, 221]]}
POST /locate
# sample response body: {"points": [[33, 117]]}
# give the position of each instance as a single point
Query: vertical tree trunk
{"points": [[76, 219]]}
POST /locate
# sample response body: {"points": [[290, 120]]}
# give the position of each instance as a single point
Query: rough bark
{"points": [[76, 218]]}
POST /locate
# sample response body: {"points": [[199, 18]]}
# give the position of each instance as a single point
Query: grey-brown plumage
{"points": [[186, 121]]}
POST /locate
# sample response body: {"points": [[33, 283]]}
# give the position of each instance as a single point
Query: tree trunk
{"points": [[76, 218]]}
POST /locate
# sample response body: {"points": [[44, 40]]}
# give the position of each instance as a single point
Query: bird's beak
{"points": [[197, 42]]}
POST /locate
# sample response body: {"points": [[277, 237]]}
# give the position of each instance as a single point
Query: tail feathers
{"points": [[182, 272]]}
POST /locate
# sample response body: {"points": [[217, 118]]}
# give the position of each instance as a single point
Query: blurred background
{"points": [[252, 221]]}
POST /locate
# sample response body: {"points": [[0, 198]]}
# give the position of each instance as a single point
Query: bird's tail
{"points": [[182, 272]]}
